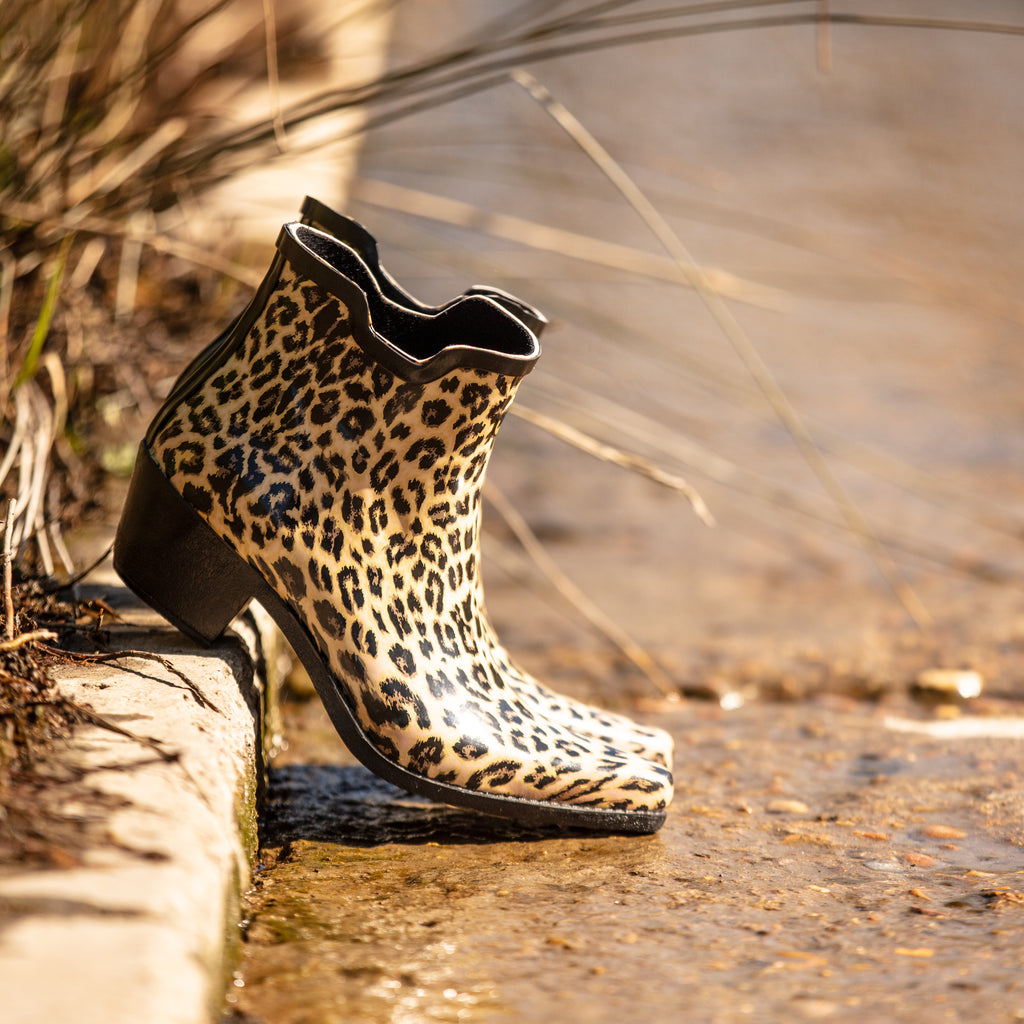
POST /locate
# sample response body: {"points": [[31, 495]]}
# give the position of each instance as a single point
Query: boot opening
{"points": [[473, 322]]}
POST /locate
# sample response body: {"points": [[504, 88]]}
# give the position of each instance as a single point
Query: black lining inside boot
{"points": [[473, 321]]}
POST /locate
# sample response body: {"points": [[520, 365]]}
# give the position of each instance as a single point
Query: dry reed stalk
{"points": [[122, 146], [273, 75], [741, 343], [546, 238], [8, 575], [584, 607], [617, 457]]}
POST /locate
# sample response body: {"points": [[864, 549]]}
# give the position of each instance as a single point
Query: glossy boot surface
{"points": [[327, 459], [618, 730], [651, 743]]}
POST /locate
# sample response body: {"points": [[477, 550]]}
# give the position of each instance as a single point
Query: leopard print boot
{"points": [[651, 743], [618, 730], [326, 459]]}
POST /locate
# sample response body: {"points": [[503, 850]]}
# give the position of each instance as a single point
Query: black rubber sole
{"points": [[171, 558]]}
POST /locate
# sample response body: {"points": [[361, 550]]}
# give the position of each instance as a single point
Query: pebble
{"points": [[810, 838], [943, 832], [815, 1009], [951, 682], [920, 860], [787, 807], [883, 865]]}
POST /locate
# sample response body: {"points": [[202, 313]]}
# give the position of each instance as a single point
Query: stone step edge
{"points": [[146, 926]]}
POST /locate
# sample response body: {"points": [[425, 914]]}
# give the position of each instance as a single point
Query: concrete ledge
{"points": [[144, 929]]}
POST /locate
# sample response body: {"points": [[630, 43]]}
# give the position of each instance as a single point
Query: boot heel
{"points": [[172, 559]]}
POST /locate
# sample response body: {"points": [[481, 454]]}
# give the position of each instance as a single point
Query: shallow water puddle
{"points": [[812, 866]]}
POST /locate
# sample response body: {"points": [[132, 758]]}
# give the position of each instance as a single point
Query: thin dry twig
{"points": [[111, 656], [8, 572], [546, 238], [742, 344], [617, 457], [53, 586], [273, 78], [22, 639], [201, 699], [589, 611]]}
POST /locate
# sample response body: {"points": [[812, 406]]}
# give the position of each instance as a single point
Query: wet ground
{"points": [[844, 845], [821, 861]]}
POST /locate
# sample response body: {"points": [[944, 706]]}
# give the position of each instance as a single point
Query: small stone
{"points": [[998, 898], [796, 960], [943, 832], [950, 682], [787, 807], [815, 1009], [810, 838], [883, 865], [920, 860]]}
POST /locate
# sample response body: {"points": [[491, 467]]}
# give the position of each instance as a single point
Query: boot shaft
{"points": [[326, 457], [325, 385]]}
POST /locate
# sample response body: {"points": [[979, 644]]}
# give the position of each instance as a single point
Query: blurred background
{"points": [[828, 349]]}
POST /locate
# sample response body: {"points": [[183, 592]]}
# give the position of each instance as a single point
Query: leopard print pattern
{"points": [[356, 495], [651, 743]]}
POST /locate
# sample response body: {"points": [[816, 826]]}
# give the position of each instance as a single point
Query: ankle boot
{"points": [[326, 458], [618, 730]]}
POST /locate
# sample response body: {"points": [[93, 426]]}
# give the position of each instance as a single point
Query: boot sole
{"points": [[171, 558]]}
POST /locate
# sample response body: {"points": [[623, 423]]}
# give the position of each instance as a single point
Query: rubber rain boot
{"points": [[653, 743], [326, 459]]}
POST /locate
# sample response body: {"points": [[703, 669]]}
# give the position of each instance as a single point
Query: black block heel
{"points": [[173, 560]]}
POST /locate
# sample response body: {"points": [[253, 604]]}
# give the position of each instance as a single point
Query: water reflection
{"points": [[351, 806]]}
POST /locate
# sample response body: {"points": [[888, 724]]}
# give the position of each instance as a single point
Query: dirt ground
{"points": [[843, 844]]}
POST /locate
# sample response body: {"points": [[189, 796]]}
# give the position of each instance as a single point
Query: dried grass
{"points": [[105, 125], [105, 122]]}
